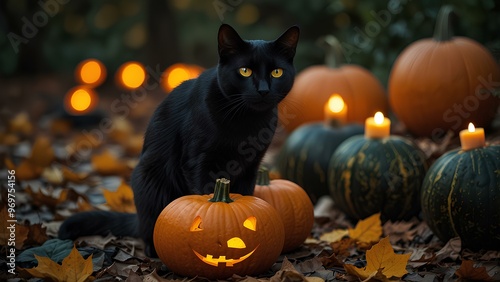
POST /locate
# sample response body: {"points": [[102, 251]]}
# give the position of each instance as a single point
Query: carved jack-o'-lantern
{"points": [[218, 235]]}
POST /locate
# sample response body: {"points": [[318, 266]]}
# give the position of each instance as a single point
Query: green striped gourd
{"points": [[371, 175], [461, 197]]}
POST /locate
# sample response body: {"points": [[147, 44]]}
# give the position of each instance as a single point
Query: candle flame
{"points": [[471, 128], [132, 75], [91, 71], [336, 103], [80, 100], [378, 118]]}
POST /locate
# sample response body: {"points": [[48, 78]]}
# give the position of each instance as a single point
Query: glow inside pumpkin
{"points": [[234, 243]]}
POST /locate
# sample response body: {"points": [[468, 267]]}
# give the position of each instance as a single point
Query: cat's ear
{"points": [[229, 40], [287, 42]]}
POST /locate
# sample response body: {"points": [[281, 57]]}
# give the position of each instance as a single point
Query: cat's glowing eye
{"points": [[277, 73], [245, 72]]}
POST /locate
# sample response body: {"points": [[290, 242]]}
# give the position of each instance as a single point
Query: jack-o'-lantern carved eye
{"points": [[196, 225], [251, 223]]}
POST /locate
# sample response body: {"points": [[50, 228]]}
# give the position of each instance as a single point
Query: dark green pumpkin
{"points": [[371, 175], [304, 157], [461, 197]]}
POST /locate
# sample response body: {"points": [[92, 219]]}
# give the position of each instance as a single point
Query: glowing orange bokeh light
{"points": [[90, 72], [131, 75], [80, 100], [174, 75]]}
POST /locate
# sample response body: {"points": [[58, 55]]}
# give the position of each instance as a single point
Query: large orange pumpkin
{"points": [[363, 94], [443, 83], [218, 235], [293, 205]]}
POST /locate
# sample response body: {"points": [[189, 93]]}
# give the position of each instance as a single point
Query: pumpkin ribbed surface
{"points": [[461, 197], [194, 236], [367, 176], [292, 203]]}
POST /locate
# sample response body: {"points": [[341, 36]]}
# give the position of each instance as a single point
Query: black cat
{"points": [[218, 125]]}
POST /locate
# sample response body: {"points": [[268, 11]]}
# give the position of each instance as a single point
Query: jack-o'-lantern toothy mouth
{"points": [[209, 259]]}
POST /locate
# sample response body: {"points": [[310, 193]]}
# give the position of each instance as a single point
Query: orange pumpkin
{"points": [[443, 83], [363, 94], [218, 235], [293, 205]]}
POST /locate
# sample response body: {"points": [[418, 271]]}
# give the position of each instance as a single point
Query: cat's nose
{"points": [[263, 88]]}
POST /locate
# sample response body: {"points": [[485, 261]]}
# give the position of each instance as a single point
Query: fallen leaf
{"points": [[20, 124], [121, 129], [72, 176], [400, 231], [334, 236], [469, 272], [381, 263], [73, 268], [342, 248], [122, 200], [288, 273], [37, 234], [32, 167], [42, 153], [367, 230], [106, 163], [450, 250]]}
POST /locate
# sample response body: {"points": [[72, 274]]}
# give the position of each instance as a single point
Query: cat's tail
{"points": [[100, 223]]}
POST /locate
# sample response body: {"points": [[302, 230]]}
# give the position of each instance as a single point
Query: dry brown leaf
{"points": [[51, 197], [37, 235], [32, 167], [106, 163], [399, 231], [20, 124], [42, 153], [71, 176], [342, 248], [288, 273], [25, 170], [381, 263], [73, 268], [469, 272], [367, 230], [122, 200]]}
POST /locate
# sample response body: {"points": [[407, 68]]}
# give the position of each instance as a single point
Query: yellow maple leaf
{"points": [[73, 268], [122, 200], [334, 236], [381, 263], [367, 230]]}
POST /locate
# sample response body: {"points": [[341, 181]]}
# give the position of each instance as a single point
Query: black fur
{"points": [[218, 125]]}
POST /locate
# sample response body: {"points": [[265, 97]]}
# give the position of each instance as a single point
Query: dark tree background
{"points": [[54, 35]]}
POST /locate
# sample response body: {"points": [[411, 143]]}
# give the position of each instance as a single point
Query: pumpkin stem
{"points": [[443, 31], [333, 51], [221, 191], [263, 176]]}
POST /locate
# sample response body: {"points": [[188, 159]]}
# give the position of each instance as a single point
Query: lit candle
{"points": [[335, 110], [377, 126], [472, 138]]}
